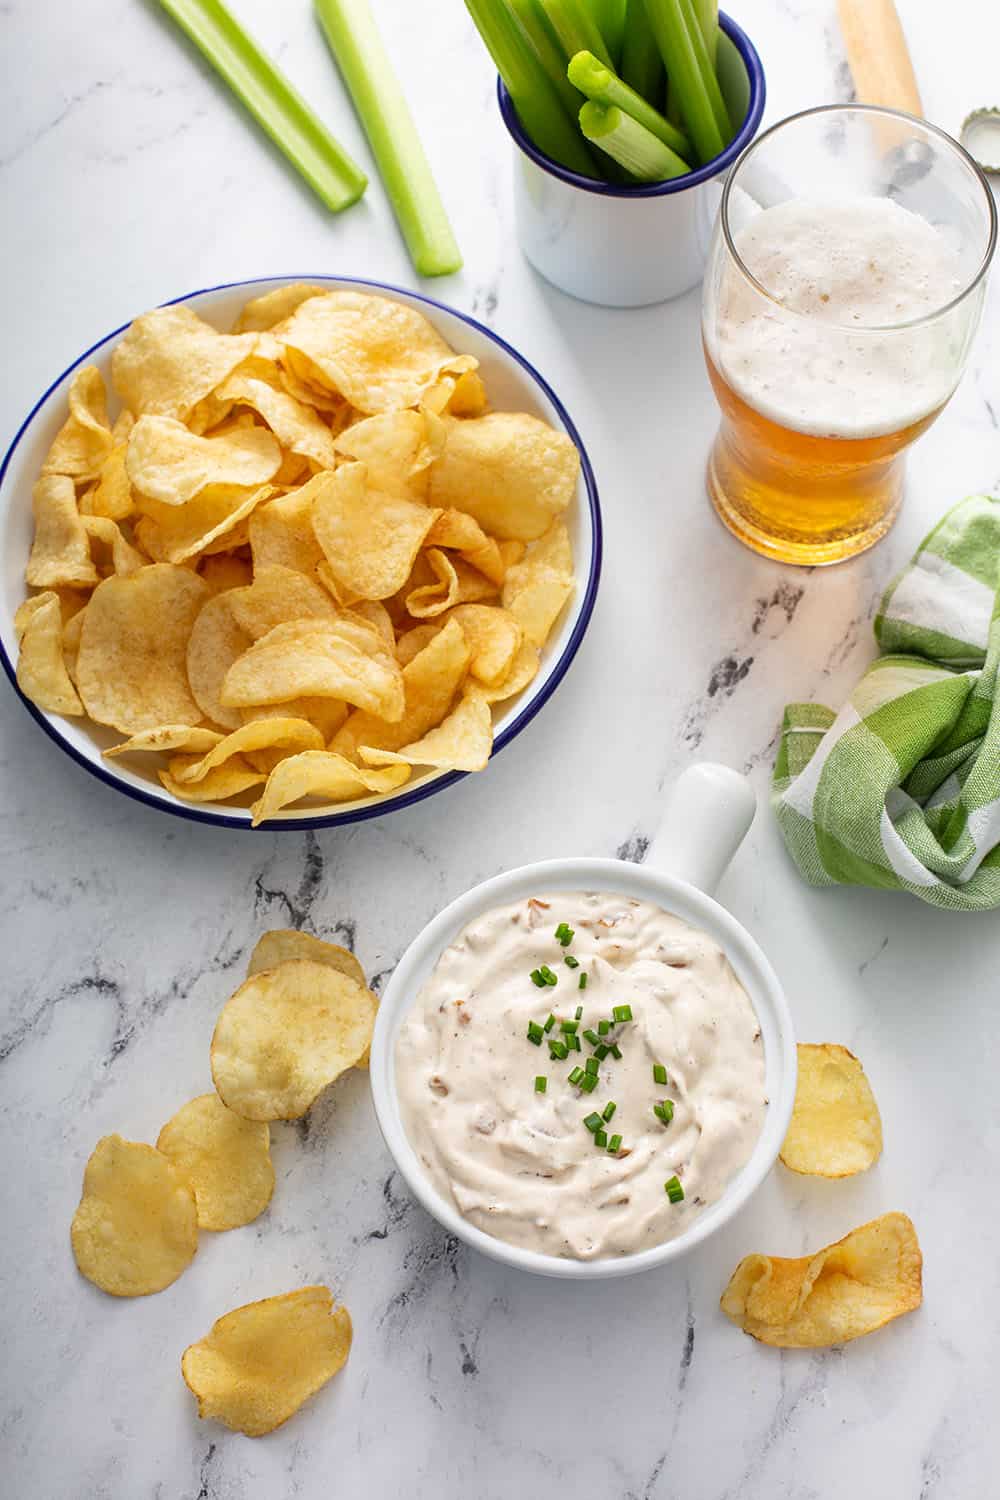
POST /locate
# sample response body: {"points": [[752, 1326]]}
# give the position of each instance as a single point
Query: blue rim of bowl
{"points": [[434, 784], [758, 93]]}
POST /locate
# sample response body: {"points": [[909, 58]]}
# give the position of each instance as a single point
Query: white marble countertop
{"points": [[129, 176]]}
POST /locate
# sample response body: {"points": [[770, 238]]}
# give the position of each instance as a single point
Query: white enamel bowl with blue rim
{"points": [[512, 383]]}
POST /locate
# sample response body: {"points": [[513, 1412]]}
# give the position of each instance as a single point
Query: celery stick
{"points": [[535, 99], [610, 18], [271, 100], [630, 144], [357, 46], [541, 37], [677, 49], [576, 29], [600, 84], [642, 65], [707, 13], [707, 68]]}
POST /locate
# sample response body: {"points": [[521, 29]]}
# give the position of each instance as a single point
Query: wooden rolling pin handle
{"points": [[878, 55]]}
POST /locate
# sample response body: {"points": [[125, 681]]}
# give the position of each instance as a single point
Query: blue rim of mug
{"points": [[758, 93]]}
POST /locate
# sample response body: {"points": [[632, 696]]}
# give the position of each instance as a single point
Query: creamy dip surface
{"points": [[522, 1165]]}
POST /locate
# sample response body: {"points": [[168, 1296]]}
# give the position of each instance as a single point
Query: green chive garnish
{"points": [[568, 1027], [535, 1033], [664, 1111], [571, 962], [579, 1012], [673, 1190], [538, 978], [574, 1042], [616, 1052], [604, 1027], [583, 981], [593, 1123], [576, 1075], [591, 1065], [600, 1138], [591, 1037], [622, 1012], [564, 934], [601, 1051], [659, 1073], [614, 1145], [588, 1082], [558, 1050], [609, 1110], [547, 975], [541, 1084], [550, 1021]]}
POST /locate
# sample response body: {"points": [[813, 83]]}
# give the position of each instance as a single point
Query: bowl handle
{"points": [[709, 810]]}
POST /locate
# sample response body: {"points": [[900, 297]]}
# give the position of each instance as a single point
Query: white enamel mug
{"points": [[709, 813], [630, 246]]}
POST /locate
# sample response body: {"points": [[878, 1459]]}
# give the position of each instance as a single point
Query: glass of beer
{"points": [[844, 288]]}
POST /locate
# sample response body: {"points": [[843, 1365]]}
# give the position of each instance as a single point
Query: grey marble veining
{"points": [[129, 176]]}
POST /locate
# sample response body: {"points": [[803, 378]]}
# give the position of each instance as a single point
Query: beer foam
{"points": [[824, 357]]}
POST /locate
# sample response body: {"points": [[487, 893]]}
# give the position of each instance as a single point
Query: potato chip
{"points": [[536, 589], [511, 471], [293, 376], [131, 670], [136, 1227], [378, 354], [121, 427], [287, 1033], [30, 607], [176, 533], [461, 396], [211, 418], [326, 659], [171, 465], [523, 670], [41, 668], [326, 714], [261, 1362], [836, 1129], [270, 308], [231, 780], [216, 641], [283, 943], [413, 641], [72, 631], [226, 1159], [431, 599], [849, 1289], [370, 538], [373, 612], [168, 737], [223, 571], [84, 441], [112, 495], [281, 532], [170, 359], [430, 682], [262, 734], [318, 773], [494, 638], [458, 530], [397, 448], [276, 596], [462, 742], [106, 536], [295, 425], [60, 552]]}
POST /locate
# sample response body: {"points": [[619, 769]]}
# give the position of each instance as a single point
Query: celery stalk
{"points": [[354, 40], [603, 86], [706, 67], [576, 28], [707, 13], [641, 64], [541, 37], [534, 97], [610, 18], [630, 144], [677, 48]]}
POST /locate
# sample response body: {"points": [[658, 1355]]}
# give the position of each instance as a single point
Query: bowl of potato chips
{"points": [[294, 553]]}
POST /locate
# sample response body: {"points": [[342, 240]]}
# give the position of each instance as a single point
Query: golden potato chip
{"points": [[60, 552], [112, 495], [413, 641], [171, 465], [72, 631], [494, 638], [430, 683], [373, 612], [270, 308], [261, 1362], [84, 441], [31, 606], [849, 1289], [317, 658], [536, 589], [168, 737], [378, 354], [396, 448], [283, 943], [295, 425], [464, 396], [222, 571], [121, 427], [461, 532], [41, 668], [319, 773], [326, 714], [281, 532], [176, 533], [170, 359], [511, 471], [226, 1159], [294, 379], [276, 596], [211, 416], [131, 670], [287, 1033], [836, 1129], [216, 641], [431, 599], [370, 538], [261, 734], [136, 1227], [462, 742], [119, 555], [523, 670], [231, 780]]}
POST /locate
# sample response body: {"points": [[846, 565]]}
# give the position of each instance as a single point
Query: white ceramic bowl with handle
{"points": [[709, 812]]}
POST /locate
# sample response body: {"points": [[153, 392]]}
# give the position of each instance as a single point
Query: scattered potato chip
{"points": [[171, 465], [261, 734], [370, 538], [295, 425], [270, 308], [397, 448], [462, 742], [286, 1034], [276, 596], [136, 1227], [326, 714], [835, 1129], [168, 737], [30, 607], [60, 552], [435, 598], [849, 1289], [535, 590], [261, 1362], [281, 532], [170, 359], [458, 530], [378, 354], [131, 670], [84, 441], [494, 638], [112, 496], [216, 641], [461, 396], [41, 668], [307, 658], [511, 471], [278, 946], [231, 780], [319, 773], [177, 533], [523, 670], [226, 1159], [430, 682], [120, 555]]}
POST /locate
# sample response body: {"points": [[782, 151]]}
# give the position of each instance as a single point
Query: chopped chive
{"points": [[591, 1065], [593, 1122], [609, 1110], [616, 1052], [541, 1083], [568, 1027], [600, 1138], [591, 1036], [664, 1111], [576, 1075], [601, 1051], [535, 1033], [537, 978], [574, 1043], [547, 975], [673, 1190], [550, 1021], [622, 1013], [588, 1082], [571, 962], [603, 1027], [659, 1073], [558, 1051], [579, 1012], [564, 934], [614, 1145], [583, 981]]}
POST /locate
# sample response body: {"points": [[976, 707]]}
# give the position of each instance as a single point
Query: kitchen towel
{"points": [[901, 788]]}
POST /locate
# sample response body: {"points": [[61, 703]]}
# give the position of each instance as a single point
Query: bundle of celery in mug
{"points": [[620, 90]]}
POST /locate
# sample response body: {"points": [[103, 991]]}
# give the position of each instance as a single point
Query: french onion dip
{"points": [[533, 1158]]}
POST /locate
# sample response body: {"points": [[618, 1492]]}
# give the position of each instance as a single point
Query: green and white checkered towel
{"points": [[901, 788]]}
